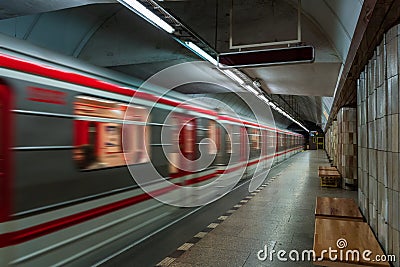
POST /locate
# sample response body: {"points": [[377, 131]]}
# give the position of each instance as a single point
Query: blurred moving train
{"points": [[66, 194]]}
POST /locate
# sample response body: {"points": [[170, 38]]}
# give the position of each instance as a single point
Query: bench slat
{"points": [[337, 208], [358, 236], [329, 168], [328, 173]]}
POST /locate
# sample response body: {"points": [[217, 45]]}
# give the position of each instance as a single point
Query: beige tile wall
{"points": [[347, 146], [378, 142]]}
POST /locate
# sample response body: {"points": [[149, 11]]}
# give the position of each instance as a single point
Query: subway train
{"points": [[67, 195]]}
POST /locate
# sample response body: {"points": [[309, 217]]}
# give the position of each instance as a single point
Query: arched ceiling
{"points": [[11, 9], [336, 19], [326, 25], [106, 34]]}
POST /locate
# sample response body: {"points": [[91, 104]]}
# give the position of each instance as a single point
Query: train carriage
{"points": [[67, 195]]}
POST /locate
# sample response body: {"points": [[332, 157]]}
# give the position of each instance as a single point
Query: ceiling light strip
{"points": [[145, 13], [231, 74], [201, 53], [261, 96], [281, 111], [141, 10]]}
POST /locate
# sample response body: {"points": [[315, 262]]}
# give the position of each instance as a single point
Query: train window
{"points": [[270, 139], [278, 142], [183, 139], [98, 134], [213, 135], [235, 144], [228, 141], [189, 137], [251, 138], [263, 142], [137, 140], [174, 156], [175, 131], [256, 138]]}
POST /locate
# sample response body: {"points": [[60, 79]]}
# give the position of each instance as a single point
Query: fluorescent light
{"points": [[263, 98], [251, 89], [201, 53], [338, 80], [278, 109], [233, 76], [147, 14]]}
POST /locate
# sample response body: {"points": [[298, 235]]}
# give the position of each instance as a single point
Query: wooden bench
{"points": [[329, 178], [327, 168], [337, 208], [353, 236]]}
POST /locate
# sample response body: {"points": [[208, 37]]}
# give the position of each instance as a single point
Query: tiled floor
{"points": [[282, 213]]}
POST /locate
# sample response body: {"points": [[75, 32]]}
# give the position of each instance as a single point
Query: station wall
{"points": [[378, 142]]}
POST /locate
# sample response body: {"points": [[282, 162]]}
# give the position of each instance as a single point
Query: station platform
{"points": [[280, 214]]}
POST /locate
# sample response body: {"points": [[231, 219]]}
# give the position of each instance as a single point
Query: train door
{"points": [[85, 143], [228, 143], [187, 139], [264, 148], [184, 139], [5, 152], [236, 145], [277, 148], [214, 134], [244, 144], [284, 141]]}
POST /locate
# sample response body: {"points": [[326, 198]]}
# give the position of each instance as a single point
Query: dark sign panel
{"points": [[301, 54]]}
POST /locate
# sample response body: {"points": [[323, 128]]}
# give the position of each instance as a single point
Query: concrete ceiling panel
{"points": [[61, 31], [127, 39], [107, 35], [317, 79], [9, 9], [337, 19], [19, 27]]}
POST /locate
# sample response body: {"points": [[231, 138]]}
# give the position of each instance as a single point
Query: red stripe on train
{"points": [[50, 72], [230, 170], [227, 118], [36, 231], [201, 179]]}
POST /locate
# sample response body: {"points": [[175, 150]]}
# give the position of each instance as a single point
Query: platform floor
{"points": [[280, 214]]}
